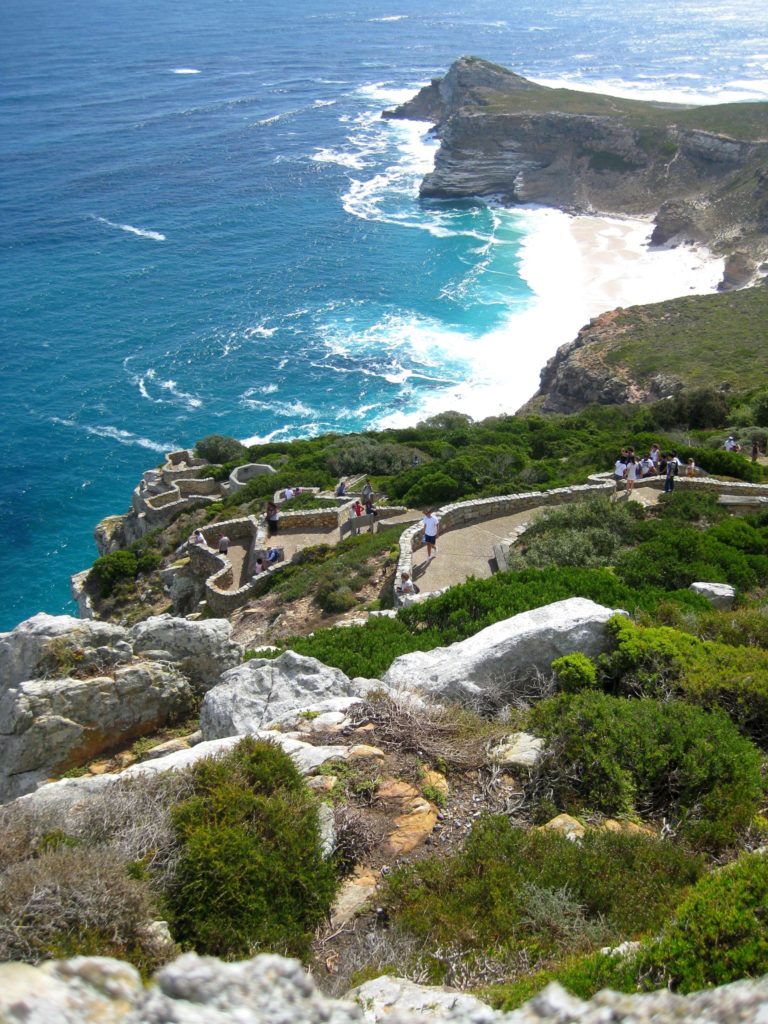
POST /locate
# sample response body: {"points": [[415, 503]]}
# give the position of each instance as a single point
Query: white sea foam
{"points": [[116, 434], [141, 232], [190, 401], [324, 103], [292, 409], [577, 268], [186, 71], [390, 17], [260, 331], [730, 92]]}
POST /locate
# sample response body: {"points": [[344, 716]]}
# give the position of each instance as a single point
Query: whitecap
{"points": [[324, 103], [260, 331], [126, 437], [190, 401], [390, 17], [186, 71], [292, 409], [131, 230]]}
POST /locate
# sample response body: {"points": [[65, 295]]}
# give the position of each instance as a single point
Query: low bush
{"points": [[718, 933], [250, 873], [73, 901], [108, 571], [218, 448], [659, 661], [638, 756], [575, 672], [508, 887]]}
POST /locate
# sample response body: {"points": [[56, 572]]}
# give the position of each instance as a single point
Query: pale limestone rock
{"points": [[387, 997], [719, 595], [263, 691], [48, 726], [518, 750], [36, 645], [85, 989], [203, 650], [499, 656], [566, 825]]}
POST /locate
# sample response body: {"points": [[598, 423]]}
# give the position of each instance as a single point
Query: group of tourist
{"points": [[630, 467], [732, 445]]}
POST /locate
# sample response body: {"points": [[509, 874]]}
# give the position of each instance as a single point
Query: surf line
{"points": [[141, 232]]}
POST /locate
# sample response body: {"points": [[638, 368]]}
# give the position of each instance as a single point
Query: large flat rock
{"points": [[502, 655]]}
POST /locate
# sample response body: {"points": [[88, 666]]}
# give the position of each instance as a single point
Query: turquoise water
{"points": [[208, 228]]}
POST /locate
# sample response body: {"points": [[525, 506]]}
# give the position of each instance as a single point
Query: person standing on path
{"points": [[367, 492], [670, 473], [272, 518], [431, 530], [223, 544]]}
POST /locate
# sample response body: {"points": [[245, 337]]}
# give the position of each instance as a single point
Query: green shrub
{"points": [[718, 933], [218, 448], [655, 661], [112, 569], [574, 672], [514, 888], [250, 874], [670, 760]]}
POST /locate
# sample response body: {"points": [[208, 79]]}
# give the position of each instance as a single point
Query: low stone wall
{"points": [[705, 484], [310, 519], [197, 486], [240, 475]]}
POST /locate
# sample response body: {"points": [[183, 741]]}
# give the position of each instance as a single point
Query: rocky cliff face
{"points": [[503, 135]]}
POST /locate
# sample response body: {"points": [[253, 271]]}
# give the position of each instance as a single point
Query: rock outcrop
{"points": [[501, 656], [263, 691], [503, 135], [272, 990], [71, 689]]}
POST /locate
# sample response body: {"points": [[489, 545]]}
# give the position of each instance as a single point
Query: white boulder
{"points": [[719, 595], [40, 645], [202, 650], [501, 655], [383, 997], [518, 750], [263, 691]]}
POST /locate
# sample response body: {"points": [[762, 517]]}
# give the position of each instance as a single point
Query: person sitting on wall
{"points": [[341, 488], [260, 566], [273, 555], [406, 585], [288, 493], [198, 538]]}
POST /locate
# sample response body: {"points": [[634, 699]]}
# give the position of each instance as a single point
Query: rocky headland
{"points": [[700, 172]]}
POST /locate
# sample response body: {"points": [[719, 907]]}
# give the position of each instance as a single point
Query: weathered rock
{"points": [[45, 644], [48, 726], [387, 997], [412, 827], [67, 793], [163, 749], [203, 650], [719, 595], [518, 750], [355, 892], [272, 990], [263, 691], [566, 825], [509, 651]]}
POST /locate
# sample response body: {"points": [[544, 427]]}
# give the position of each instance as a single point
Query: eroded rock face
{"points": [[203, 650], [70, 689], [48, 726], [384, 997], [500, 656], [263, 691]]}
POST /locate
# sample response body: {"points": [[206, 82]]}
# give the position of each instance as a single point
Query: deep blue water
{"points": [[240, 250]]}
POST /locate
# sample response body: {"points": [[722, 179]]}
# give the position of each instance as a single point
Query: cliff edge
{"points": [[701, 172]]}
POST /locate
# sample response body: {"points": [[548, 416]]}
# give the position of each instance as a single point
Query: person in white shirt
{"points": [[288, 493], [431, 530]]}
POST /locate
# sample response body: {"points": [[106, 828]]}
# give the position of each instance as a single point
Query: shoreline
{"points": [[577, 267]]}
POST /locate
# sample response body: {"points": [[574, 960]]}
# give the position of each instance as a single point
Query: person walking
{"points": [[431, 530], [755, 451]]}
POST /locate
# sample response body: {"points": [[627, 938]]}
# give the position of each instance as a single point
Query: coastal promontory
{"points": [[700, 171]]}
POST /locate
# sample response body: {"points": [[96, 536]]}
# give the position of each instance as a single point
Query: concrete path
{"points": [[468, 551]]}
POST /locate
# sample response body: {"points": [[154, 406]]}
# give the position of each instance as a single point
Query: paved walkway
{"points": [[468, 551]]}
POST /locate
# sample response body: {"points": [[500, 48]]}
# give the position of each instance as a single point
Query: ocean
{"points": [[207, 228]]}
